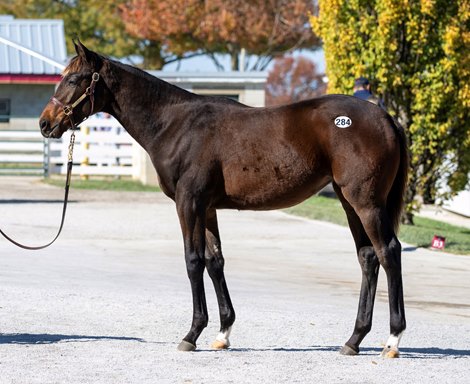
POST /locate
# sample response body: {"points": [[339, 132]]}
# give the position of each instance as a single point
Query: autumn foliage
{"points": [[293, 79], [266, 28], [164, 31]]}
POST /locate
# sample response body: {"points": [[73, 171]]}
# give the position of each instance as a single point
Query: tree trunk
{"points": [[410, 204], [153, 57], [234, 61]]}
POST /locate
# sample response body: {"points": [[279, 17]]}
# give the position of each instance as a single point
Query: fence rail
{"points": [[21, 152], [102, 148]]}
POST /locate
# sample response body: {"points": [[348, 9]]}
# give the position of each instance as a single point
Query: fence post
{"points": [[47, 158]]}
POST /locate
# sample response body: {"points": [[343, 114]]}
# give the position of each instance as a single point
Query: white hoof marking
{"points": [[391, 347], [393, 341], [223, 336]]}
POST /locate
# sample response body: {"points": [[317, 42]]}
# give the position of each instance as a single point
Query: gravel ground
{"points": [[110, 301]]}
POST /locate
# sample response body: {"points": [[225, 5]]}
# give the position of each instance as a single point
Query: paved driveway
{"points": [[110, 301]]}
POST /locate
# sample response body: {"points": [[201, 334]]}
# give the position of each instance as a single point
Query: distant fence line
{"points": [[102, 148]]}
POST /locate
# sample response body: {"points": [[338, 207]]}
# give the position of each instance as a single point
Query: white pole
{"points": [[30, 52], [242, 60]]}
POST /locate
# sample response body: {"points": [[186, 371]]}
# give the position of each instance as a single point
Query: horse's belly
{"points": [[269, 187]]}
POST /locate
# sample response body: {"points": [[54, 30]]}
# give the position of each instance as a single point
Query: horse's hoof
{"points": [[390, 353], [219, 344], [348, 351], [185, 346]]}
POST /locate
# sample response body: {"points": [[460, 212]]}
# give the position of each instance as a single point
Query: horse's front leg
{"points": [[215, 268], [191, 213]]}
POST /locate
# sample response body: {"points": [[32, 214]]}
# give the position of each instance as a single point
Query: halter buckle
{"points": [[68, 110]]}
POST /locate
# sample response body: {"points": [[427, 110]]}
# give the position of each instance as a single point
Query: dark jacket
{"points": [[364, 94]]}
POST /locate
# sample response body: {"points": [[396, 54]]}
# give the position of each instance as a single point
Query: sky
{"points": [[204, 64]]}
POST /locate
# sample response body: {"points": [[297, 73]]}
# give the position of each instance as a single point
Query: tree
{"points": [[164, 31], [415, 52], [265, 28], [293, 79], [96, 22]]}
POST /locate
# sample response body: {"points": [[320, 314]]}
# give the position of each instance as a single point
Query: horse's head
{"points": [[79, 95]]}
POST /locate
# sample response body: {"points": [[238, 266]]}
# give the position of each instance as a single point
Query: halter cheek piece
{"points": [[90, 91]]}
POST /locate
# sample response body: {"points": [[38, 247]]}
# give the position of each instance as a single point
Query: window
{"points": [[232, 96], [4, 110]]}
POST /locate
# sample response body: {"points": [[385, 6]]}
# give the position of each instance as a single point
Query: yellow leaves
{"points": [[464, 10], [464, 96], [427, 7], [451, 37], [443, 129], [315, 24]]}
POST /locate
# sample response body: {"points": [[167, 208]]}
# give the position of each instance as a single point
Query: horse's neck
{"points": [[140, 101]]}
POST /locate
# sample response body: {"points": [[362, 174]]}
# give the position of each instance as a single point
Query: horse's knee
{"points": [[195, 268]]}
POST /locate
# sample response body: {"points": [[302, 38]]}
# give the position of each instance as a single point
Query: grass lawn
{"points": [[105, 184], [420, 234]]}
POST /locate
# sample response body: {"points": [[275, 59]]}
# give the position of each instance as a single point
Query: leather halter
{"points": [[90, 91]]}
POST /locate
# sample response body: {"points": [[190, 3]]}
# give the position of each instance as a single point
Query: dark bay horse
{"points": [[213, 153]]}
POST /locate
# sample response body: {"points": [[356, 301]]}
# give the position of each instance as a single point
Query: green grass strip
{"points": [[420, 234], [106, 185]]}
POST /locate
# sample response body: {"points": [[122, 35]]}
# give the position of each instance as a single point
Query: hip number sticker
{"points": [[343, 122]]}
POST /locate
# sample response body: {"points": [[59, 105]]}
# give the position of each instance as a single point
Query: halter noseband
{"points": [[90, 91]]}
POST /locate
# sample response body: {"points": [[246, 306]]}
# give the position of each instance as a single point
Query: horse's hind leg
{"points": [[370, 270], [388, 249], [215, 267]]}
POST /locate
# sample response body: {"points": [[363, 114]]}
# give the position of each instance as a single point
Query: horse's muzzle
{"points": [[45, 127], [49, 131]]}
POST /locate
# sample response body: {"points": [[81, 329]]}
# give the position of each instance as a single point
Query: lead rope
{"points": [[64, 209]]}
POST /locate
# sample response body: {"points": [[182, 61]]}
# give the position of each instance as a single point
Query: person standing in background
{"points": [[362, 91]]}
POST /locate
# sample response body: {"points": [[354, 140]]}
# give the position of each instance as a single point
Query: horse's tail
{"points": [[396, 196]]}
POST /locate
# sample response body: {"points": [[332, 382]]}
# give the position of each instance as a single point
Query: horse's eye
{"points": [[73, 80]]}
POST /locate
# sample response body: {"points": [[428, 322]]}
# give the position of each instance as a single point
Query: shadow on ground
{"points": [[45, 338], [406, 353]]}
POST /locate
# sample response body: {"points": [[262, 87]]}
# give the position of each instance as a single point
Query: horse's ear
{"points": [[89, 56]]}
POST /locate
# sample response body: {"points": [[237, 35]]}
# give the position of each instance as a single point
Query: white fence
{"points": [[22, 152], [102, 148]]}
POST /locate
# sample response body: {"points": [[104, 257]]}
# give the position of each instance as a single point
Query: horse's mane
{"points": [[165, 89], [77, 63]]}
